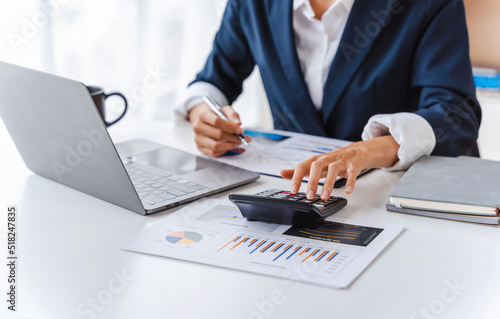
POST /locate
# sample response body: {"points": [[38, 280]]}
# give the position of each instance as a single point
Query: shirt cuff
{"points": [[194, 96], [412, 132]]}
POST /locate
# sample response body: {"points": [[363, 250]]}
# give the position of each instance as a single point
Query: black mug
{"points": [[99, 97]]}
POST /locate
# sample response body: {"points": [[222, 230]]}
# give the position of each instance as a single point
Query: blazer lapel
{"points": [[362, 29], [281, 19]]}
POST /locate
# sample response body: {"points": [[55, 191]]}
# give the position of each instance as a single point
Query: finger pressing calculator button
{"points": [[294, 207]]}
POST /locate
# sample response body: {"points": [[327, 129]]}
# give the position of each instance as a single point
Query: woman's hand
{"points": [[345, 162], [213, 135]]}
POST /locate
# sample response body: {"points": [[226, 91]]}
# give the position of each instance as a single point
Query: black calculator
{"points": [[283, 207]]}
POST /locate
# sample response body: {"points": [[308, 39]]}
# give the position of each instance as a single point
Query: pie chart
{"points": [[184, 238]]}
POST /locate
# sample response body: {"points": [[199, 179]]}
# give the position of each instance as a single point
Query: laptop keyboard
{"points": [[153, 189]]}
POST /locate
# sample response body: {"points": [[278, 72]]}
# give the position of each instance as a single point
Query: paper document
{"points": [[271, 151], [213, 232]]}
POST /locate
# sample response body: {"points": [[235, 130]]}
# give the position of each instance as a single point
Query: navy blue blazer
{"points": [[394, 56]]}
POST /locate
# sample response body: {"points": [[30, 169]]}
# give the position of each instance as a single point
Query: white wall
{"points": [[147, 49]]}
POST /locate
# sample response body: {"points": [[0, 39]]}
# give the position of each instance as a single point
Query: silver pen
{"points": [[216, 108]]}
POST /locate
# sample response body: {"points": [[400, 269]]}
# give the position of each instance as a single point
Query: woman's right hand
{"points": [[213, 135]]}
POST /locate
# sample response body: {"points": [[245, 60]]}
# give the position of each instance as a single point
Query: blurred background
{"points": [[151, 49], [483, 19], [147, 49]]}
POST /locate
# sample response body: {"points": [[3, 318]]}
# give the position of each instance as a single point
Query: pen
{"points": [[216, 108]]}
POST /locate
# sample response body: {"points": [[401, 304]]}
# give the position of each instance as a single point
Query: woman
{"points": [[394, 75]]}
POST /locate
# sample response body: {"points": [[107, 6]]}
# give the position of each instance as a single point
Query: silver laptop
{"points": [[61, 136]]}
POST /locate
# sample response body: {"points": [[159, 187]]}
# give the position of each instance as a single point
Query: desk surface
{"points": [[69, 260]]}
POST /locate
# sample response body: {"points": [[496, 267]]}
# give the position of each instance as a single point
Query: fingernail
{"points": [[325, 194], [238, 130], [295, 189], [310, 194], [348, 189]]}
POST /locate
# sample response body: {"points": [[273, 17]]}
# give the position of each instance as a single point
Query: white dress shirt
{"points": [[317, 42]]}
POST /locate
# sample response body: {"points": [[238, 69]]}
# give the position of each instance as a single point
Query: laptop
{"points": [[61, 136]]}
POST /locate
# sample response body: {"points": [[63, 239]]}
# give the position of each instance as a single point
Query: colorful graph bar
{"points": [[260, 244], [311, 254], [332, 255], [310, 148], [263, 246], [253, 241], [321, 256], [284, 251], [277, 247], [294, 251], [235, 239], [241, 241], [305, 251], [267, 247]]}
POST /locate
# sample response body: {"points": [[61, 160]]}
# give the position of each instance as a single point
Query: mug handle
{"points": [[124, 109]]}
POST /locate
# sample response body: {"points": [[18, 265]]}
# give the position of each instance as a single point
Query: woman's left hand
{"points": [[345, 162]]}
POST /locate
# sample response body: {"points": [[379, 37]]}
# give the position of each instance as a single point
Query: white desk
{"points": [[68, 253]]}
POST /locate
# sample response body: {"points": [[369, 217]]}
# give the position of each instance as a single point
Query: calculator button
{"points": [[324, 203], [280, 196], [262, 194], [307, 200]]}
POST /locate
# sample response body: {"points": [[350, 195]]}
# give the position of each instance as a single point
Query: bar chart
{"points": [[213, 233], [273, 251]]}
